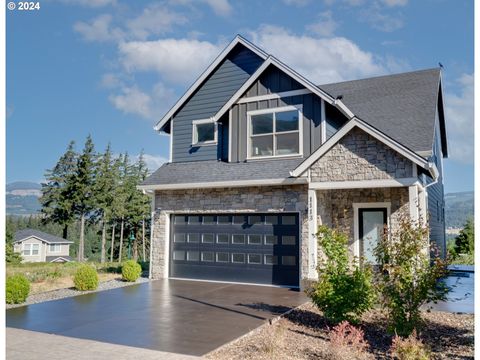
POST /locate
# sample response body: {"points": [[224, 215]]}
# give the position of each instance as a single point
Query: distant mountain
{"points": [[458, 208], [22, 198]]}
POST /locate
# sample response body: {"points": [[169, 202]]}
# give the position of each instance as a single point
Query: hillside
{"points": [[22, 198], [458, 208]]}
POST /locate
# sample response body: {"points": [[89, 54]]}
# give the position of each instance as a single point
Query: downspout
{"points": [[434, 171]]}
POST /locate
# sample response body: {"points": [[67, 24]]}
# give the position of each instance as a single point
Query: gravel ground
{"points": [[68, 292], [303, 334]]}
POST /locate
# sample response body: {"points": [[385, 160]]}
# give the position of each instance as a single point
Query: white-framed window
{"points": [[55, 248], [30, 249], [275, 132], [204, 132]]}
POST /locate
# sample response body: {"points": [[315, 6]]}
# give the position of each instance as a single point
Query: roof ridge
{"points": [[381, 76]]}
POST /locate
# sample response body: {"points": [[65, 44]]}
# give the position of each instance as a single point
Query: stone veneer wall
{"points": [[335, 207], [359, 156], [226, 200]]}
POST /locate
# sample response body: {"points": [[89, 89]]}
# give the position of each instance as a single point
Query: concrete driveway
{"points": [[175, 316]]}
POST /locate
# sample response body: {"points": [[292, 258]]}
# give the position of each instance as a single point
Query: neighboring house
{"points": [[37, 246], [260, 156]]}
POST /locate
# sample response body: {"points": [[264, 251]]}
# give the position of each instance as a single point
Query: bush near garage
{"points": [[86, 278], [17, 289], [131, 271]]}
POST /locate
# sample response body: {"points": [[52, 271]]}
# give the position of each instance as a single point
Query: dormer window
{"points": [[204, 132], [275, 132]]}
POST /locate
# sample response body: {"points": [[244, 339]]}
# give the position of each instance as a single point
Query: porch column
{"points": [[312, 230], [422, 203], [413, 202]]}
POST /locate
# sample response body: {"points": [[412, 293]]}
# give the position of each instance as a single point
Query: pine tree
{"points": [[83, 190], [138, 204], [56, 200], [104, 194]]}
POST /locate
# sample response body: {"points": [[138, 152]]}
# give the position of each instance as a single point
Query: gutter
{"points": [[434, 171]]}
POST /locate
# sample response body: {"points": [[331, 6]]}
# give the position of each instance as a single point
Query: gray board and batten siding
{"points": [[275, 81], [217, 89]]}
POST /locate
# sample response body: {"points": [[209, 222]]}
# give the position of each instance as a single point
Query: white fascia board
{"points": [[225, 184], [242, 89], [42, 240], [238, 40], [363, 184], [271, 60], [355, 122]]}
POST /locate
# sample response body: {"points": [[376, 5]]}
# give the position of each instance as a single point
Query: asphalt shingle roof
{"points": [[22, 234], [401, 106], [209, 171], [51, 258]]}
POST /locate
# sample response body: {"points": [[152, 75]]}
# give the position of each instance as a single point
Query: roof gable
{"points": [[323, 149], [238, 41], [22, 235]]}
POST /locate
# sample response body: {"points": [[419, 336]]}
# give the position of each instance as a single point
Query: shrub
{"points": [[409, 275], [410, 348], [12, 257], [85, 278], [347, 336], [131, 270], [343, 291], [17, 289]]}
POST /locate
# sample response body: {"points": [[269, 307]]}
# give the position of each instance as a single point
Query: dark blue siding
{"points": [[334, 120], [210, 97], [436, 198]]}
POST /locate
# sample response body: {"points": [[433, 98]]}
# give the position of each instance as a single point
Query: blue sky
{"points": [[112, 68]]}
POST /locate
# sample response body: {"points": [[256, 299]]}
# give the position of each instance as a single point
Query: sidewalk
{"points": [[31, 345]]}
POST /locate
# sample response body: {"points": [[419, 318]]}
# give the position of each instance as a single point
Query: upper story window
{"points": [[275, 132], [204, 132], [30, 249], [55, 248]]}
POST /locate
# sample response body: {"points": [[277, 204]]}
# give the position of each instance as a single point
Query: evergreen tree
{"points": [[56, 200], [465, 241], [105, 193], [82, 190]]}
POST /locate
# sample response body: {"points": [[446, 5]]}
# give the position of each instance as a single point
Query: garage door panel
{"points": [[257, 248]]}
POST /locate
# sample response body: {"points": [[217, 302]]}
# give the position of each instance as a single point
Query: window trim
{"points": [[55, 246], [30, 249], [195, 141], [297, 107]]}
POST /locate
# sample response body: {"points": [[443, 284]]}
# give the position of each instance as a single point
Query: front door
{"points": [[372, 223]]}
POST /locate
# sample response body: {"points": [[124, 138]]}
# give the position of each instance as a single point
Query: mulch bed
{"points": [[303, 334]]}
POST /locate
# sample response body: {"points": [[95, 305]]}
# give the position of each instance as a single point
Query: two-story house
{"points": [[38, 246], [260, 156]]}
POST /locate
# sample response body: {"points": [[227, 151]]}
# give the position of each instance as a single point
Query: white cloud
{"points": [[154, 20], [110, 81], [153, 162], [320, 60], [459, 114], [382, 21], [90, 3], [220, 7], [393, 3], [296, 2], [132, 100], [178, 61], [325, 26], [98, 29]]}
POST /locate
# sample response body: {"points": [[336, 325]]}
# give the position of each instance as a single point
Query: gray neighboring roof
{"points": [[402, 106], [51, 258], [218, 171], [48, 238]]}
